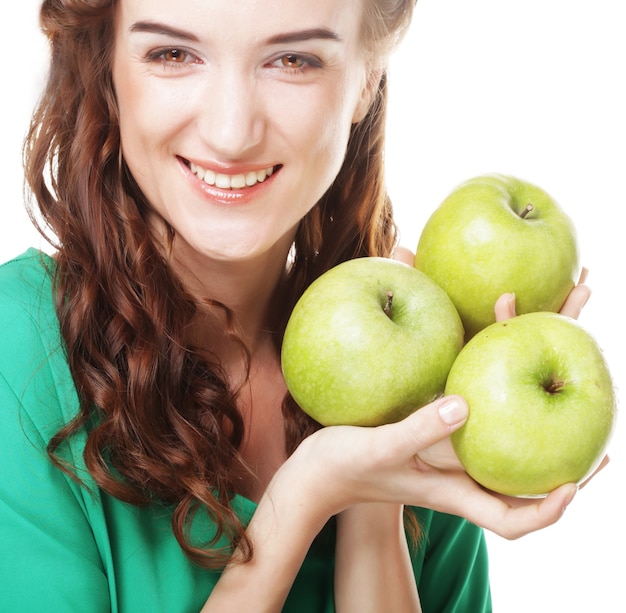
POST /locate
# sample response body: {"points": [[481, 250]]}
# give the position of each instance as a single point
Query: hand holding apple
{"points": [[497, 234], [378, 464], [411, 462], [572, 307]]}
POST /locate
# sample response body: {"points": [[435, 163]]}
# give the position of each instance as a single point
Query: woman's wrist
{"points": [[281, 532], [384, 518], [373, 569]]}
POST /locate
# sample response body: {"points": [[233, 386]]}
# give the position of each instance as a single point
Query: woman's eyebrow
{"points": [[301, 35], [155, 27]]}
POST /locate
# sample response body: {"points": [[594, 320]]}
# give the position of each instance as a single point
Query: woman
{"points": [[199, 164]]}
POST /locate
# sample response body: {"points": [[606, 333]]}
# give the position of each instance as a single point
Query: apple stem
{"points": [[555, 387], [528, 209], [387, 308]]}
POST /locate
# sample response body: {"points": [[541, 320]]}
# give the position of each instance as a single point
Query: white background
{"points": [[533, 88]]}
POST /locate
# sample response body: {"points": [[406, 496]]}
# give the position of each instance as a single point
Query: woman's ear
{"points": [[368, 93]]}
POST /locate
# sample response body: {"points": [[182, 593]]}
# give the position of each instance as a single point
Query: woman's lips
{"points": [[231, 181], [229, 188]]}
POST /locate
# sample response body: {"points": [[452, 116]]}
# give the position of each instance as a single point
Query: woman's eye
{"points": [[291, 60], [172, 56], [296, 62], [176, 56]]}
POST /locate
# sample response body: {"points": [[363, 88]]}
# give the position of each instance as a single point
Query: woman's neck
{"points": [[248, 289]]}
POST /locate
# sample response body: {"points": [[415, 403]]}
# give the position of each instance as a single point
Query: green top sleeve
{"points": [[68, 547], [48, 557]]}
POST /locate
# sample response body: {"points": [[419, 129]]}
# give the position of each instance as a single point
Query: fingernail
{"points": [[511, 304], [453, 411], [583, 303]]}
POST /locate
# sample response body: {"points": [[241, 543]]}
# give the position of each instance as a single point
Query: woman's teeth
{"points": [[224, 181]]}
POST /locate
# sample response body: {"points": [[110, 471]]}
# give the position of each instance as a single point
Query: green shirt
{"points": [[67, 547]]}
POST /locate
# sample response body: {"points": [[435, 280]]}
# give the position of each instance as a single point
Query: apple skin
{"points": [[345, 361], [477, 246], [522, 439]]}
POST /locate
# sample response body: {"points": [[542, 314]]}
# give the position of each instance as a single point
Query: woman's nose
{"points": [[231, 118]]}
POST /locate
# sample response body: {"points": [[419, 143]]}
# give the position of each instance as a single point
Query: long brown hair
{"points": [[162, 421]]}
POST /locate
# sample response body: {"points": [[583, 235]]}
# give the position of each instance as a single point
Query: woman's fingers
{"points": [[605, 460], [427, 426], [425, 436], [412, 462], [402, 254], [513, 518], [573, 305], [535, 514], [577, 298], [505, 307]]}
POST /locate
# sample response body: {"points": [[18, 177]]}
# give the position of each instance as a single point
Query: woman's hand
{"points": [[572, 307], [412, 462], [505, 306], [402, 254]]}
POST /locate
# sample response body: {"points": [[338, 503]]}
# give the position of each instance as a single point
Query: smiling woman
{"points": [[198, 165], [287, 100]]}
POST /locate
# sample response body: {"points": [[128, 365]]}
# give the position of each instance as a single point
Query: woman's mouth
{"points": [[231, 181]]}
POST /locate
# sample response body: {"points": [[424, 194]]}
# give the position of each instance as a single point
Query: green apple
{"points": [[542, 404], [496, 234], [369, 341]]}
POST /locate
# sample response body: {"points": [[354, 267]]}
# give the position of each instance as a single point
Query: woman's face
{"points": [[235, 115]]}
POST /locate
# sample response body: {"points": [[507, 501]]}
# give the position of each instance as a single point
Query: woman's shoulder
{"points": [[33, 368], [25, 286], [26, 301]]}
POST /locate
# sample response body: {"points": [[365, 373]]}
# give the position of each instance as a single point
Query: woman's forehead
{"points": [[252, 17]]}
